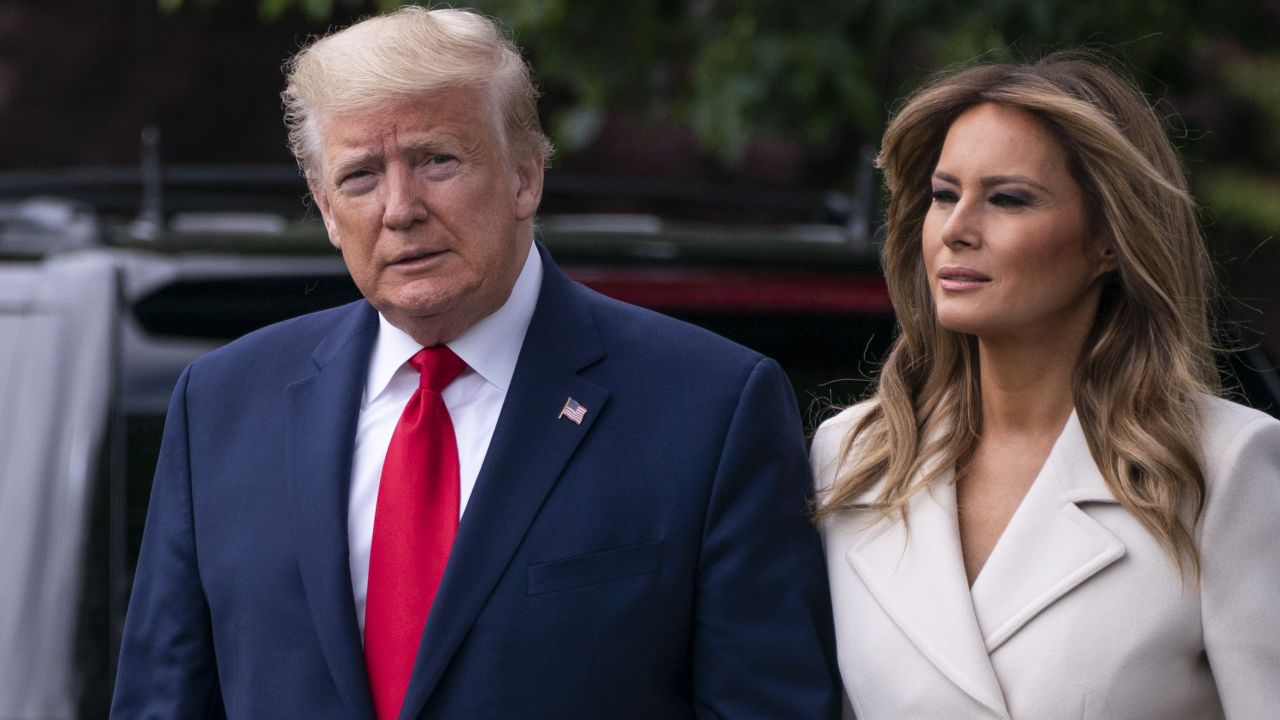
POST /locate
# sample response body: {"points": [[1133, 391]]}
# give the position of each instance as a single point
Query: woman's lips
{"points": [[961, 278]]}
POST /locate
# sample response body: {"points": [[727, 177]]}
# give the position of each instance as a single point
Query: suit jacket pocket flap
{"points": [[595, 568]]}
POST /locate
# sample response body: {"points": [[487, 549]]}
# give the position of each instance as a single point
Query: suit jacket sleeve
{"points": [[763, 643], [167, 667], [1240, 581]]}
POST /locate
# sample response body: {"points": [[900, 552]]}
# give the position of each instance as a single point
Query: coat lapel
{"points": [[323, 408], [531, 446], [916, 573], [1050, 546]]}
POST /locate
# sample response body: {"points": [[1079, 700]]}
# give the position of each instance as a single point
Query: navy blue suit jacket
{"points": [[655, 561]]}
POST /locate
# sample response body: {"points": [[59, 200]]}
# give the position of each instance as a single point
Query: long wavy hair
{"points": [[1149, 353]]}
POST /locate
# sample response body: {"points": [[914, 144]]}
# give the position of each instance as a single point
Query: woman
{"points": [[1044, 511]]}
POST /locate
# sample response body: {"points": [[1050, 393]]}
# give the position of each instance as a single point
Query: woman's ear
{"points": [[1106, 258]]}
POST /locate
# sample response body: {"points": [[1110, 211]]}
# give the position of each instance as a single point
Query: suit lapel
{"points": [[531, 446], [918, 578], [1050, 546], [323, 408]]}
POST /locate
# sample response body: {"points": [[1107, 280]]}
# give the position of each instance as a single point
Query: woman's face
{"points": [[1006, 240]]}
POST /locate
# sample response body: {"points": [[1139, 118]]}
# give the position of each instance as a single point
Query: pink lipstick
{"points": [[956, 278]]}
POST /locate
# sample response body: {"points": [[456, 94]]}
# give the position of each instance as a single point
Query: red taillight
{"points": [[692, 289]]}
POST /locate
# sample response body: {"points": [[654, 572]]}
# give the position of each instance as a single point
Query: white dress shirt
{"points": [[490, 349]]}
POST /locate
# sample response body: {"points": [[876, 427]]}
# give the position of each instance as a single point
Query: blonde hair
{"points": [[405, 54], [1149, 352]]}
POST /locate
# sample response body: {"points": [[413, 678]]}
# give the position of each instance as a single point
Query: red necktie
{"points": [[413, 528]]}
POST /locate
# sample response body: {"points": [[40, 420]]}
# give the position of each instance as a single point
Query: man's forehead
{"points": [[368, 141], [422, 120]]}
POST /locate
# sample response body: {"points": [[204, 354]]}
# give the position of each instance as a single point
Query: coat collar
{"points": [[323, 406], [1050, 548], [916, 573], [531, 445]]}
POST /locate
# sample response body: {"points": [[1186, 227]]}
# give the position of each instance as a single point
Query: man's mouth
{"points": [[411, 259]]}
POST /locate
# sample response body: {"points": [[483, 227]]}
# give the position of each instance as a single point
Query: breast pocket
{"points": [[595, 568]]}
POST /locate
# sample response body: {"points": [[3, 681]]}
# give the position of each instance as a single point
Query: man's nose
{"points": [[406, 198]]}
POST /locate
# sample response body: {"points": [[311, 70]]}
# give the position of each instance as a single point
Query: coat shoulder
{"points": [[629, 330], [829, 442], [1229, 429], [288, 344]]}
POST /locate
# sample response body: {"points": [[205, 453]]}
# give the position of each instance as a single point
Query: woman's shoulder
{"points": [[829, 441], [1229, 431], [845, 419], [1241, 453]]}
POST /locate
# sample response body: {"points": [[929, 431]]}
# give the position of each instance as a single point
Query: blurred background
{"points": [[753, 93], [755, 118]]}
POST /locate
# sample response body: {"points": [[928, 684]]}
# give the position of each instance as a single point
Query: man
{"points": [[486, 492]]}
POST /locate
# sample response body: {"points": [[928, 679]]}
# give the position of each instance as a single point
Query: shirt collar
{"points": [[490, 348]]}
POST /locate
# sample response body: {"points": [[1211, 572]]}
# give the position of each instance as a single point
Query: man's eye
{"points": [[439, 167]]}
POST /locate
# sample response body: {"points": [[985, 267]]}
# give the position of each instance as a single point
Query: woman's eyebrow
{"points": [[994, 180]]}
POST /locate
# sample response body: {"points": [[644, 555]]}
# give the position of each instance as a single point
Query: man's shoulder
{"points": [[630, 328], [286, 342]]}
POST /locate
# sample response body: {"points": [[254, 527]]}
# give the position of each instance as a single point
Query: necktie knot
{"points": [[437, 366]]}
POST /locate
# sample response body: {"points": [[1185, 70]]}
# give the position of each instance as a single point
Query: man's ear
{"points": [[322, 204], [529, 175]]}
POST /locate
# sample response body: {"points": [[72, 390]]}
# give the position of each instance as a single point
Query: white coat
{"points": [[1078, 612]]}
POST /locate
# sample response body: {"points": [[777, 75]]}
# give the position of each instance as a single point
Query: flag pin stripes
{"points": [[573, 410]]}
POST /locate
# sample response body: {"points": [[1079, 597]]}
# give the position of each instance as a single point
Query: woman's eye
{"points": [[943, 196], [1008, 200]]}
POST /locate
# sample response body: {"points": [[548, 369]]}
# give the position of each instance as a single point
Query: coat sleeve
{"points": [[167, 667], [1240, 577], [763, 642]]}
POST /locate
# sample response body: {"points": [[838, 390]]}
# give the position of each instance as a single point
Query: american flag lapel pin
{"points": [[573, 410]]}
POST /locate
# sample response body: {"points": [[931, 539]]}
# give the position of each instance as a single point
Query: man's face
{"points": [[433, 218]]}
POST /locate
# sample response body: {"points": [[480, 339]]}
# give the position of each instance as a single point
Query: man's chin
{"points": [[430, 322], [419, 300]]}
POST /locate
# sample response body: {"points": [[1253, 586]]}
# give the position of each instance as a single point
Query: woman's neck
{"points": [[1027, 385]]}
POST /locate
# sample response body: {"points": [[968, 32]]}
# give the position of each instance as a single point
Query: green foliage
{"points": [[1243, 203], [1255, 80], [825, 74]]}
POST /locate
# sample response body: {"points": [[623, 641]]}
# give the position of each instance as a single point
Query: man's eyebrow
{"points": [[995, 180], [347, 161], [421, 145]]}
